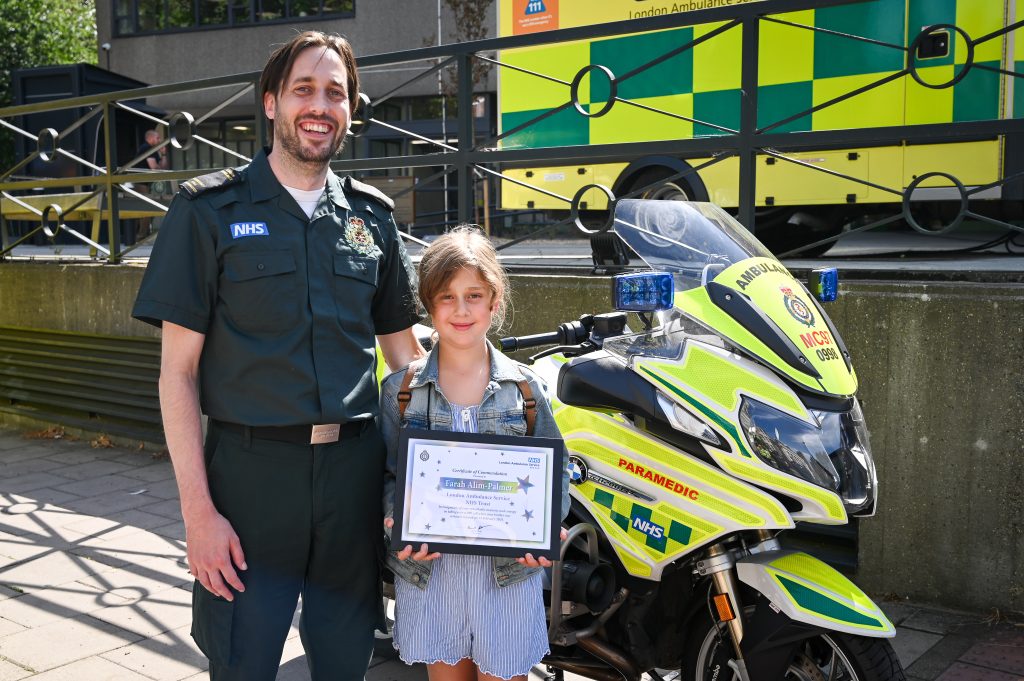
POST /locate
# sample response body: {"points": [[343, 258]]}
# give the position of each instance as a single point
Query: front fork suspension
{"points": [[720, 565]]}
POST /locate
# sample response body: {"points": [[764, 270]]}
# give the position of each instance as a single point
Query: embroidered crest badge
{"points": [[797, 308], [358, 236]]}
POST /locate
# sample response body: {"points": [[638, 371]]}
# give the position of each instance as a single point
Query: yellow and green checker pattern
{"points": [[808, 590], [799, 69], [682, 503]]}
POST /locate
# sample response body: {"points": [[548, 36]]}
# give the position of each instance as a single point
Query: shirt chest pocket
{"points": [[259, 290], [355, 284]]}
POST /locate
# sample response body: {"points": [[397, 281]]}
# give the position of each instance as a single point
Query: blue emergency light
{"points": [[643, 292], [824, 284]]}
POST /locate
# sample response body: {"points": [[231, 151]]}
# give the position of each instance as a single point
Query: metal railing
{"points": [[476, 153]]}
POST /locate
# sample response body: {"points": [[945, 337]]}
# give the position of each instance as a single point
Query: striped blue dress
{"points": [[464, 613]]}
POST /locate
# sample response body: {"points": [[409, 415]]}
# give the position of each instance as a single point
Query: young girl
{"points": [[466, 617]]}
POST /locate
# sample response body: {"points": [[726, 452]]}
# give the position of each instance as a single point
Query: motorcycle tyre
{"points": [[872, 659]]}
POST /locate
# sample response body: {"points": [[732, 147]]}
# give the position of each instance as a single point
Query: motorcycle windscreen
{"points": [[695, 241], [713, 258]]}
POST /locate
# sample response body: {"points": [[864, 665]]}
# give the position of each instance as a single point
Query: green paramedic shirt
{"points": [[289, 304]]}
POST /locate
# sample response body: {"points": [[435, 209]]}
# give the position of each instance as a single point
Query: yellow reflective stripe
{"points": [[816, 572], [721, 380], [769, 477], [706, 499], [624, 440], [696, 303], [872, 612]]}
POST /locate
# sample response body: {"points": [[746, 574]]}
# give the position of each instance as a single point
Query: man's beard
{"points": [[288, 138]]}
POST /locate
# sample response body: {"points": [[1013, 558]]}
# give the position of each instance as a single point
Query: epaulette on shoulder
{"points": [[369, 190], [204, 183]]}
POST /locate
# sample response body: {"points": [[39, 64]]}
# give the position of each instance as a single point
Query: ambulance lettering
{"points": [[659, 479], [756, 270]]}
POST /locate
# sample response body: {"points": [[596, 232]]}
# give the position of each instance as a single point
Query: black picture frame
{"points": [[486, 446]]}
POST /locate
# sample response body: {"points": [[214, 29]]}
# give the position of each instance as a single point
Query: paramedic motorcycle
{"points": [[693, 443]]}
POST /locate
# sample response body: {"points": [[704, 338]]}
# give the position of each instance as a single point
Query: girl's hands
{"points": [[424, 552], [529, 561]]}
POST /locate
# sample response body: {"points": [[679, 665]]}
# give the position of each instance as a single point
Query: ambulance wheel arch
{"points": [[652, 169]]}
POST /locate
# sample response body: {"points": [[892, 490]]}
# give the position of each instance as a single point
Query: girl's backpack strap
{"points": [[404, 394], [529, 405]]}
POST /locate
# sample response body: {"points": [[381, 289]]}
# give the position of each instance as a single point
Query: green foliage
{"points": [[42, 33]]}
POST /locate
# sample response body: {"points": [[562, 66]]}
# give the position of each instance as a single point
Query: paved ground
{"points": [[94, 587]]}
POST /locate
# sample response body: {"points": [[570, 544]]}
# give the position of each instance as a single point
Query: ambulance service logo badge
{"points": [[797, 308], [358, 236]]}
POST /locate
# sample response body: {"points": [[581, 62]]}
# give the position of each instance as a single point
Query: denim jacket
{"points": [[501, 413]]}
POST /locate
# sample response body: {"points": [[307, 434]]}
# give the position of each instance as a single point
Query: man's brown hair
{"points": [[279, 66]]}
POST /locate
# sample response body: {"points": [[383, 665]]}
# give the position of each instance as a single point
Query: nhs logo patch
{"points": [[241, 229], [648, 527]]}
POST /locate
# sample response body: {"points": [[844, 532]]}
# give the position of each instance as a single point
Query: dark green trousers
{"points": [[309, 520]]}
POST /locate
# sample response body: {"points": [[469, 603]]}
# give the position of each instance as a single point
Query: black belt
{"points": [[300, 435]]}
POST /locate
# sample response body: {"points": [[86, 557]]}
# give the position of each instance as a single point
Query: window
{"points": [[133, 17]]}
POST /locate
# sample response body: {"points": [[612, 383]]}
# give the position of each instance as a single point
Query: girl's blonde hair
{"points": [[463, 246]]}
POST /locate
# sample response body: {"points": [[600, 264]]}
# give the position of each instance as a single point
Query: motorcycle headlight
{"points": [[832, 453]]}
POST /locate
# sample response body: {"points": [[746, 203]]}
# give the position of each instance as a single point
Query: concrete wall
{"points": [[941, 370], [942, 383]]}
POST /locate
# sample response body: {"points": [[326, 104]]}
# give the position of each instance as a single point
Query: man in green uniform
{"points": [[270, 283]]}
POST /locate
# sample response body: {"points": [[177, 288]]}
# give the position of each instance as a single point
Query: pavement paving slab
{"points": [[122, 500], [168, 656], [48, 570], [103, 527], [100, 485], [91, 469], [91, 669], [7, 627], [910, 645], [12, 672], [31, 464], [154, 472], [169, 508], [43, 495], [94, 584], [25, 484], [1001, 657], [17, 548], [59, 643], [149, 614], [43, 607], [960, 671]]}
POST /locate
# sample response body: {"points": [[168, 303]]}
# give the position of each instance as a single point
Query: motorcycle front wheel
{"points": [[827, 657]]}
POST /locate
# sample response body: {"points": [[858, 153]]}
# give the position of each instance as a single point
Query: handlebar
{"points": [[568, 333]]}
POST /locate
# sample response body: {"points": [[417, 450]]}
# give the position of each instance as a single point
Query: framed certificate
{"points": [[491, 495]]}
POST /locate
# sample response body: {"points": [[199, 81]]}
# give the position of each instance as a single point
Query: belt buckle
{"points": [[325, 433]]}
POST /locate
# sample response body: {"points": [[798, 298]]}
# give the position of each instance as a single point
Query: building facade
{"points": [[174, 41]]}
